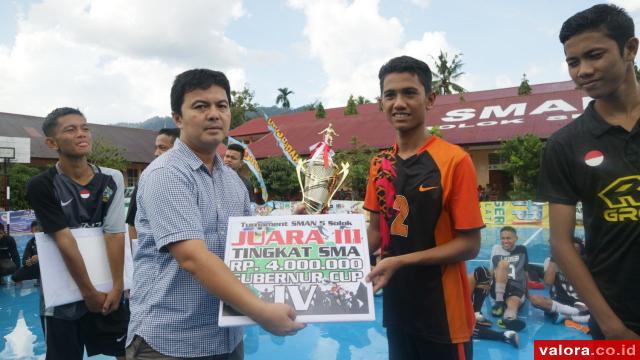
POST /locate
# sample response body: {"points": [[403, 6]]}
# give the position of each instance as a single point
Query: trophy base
{"points": [[313, 207]]}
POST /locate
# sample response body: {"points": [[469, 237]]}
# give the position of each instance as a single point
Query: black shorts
{"points": [[510, 291], [66, 339], [7, 267], [404, 345]]}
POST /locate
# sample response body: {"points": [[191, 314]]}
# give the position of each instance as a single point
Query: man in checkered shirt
{"points": [[185, 198]]}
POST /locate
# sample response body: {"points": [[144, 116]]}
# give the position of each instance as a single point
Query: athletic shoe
{"points": [[582, 307], [512, 337], [535, 284], [498, 309], [574, 325], [482, 321], [512, 324], [558, 318]]}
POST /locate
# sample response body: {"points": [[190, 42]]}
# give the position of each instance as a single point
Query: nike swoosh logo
{"points": [[121, 338], [65, 203], [422, 188]]}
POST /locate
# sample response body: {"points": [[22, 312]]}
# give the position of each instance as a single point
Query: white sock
{"points": [[509, 314], [500, 291], [583, 319], [563, 309]]}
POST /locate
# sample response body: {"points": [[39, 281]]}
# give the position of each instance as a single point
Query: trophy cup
{"points": [[322, 177]]}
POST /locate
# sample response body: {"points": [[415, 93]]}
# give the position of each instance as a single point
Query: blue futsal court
{"points": [[22, 338]]}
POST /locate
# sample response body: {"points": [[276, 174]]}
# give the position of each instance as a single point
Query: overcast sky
{"points": [[116, 59]]}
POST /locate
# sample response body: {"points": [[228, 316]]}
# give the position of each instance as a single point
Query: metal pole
{"points": [[6, 166], [6, 170]]}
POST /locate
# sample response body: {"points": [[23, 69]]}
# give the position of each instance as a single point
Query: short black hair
{"points": [[407, 64], [196, 79], [173, 133], [35, 223], [238, 148], [510, 229], [611, 20], [51, 121]]}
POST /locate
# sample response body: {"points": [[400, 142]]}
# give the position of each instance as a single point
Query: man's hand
{"points": [[300, 209], [382, 272], [112, 300], [32, 260], [279, 319], [94, 301]]}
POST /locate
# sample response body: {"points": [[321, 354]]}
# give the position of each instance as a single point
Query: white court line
{"points": [[532, 236]]}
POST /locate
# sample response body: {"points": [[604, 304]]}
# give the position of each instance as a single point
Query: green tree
{"points": [[436, 131], [361, 100], [283, 97], [447, 72], [280, 177], [320, 112], [352, 107], [635, 67], [19, 176], [521, 159], [241, 103], [524, 88], [106, 154], [359, 158], [309, 107]]}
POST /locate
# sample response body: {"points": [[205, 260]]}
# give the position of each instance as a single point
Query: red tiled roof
{"points": [[484, 117]]}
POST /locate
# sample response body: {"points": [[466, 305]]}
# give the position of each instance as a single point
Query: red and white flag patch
{"points": [[594, 158], [84, 193]]}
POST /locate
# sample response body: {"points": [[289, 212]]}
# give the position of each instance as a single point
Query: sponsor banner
{"points": [[252, 164], [515, 213], [314, 263], [272, 208], [20, 221], [289, 152]]}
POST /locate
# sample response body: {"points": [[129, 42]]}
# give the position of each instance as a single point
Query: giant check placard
{"points": [[58, 286], [315, 263]]}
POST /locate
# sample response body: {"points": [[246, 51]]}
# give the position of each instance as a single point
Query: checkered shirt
{"points": [[178, 199]]}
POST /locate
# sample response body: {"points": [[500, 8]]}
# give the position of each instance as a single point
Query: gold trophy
{"points": [[322, 177]]}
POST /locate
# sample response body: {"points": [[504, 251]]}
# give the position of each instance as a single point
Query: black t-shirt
{"points": [[518, 259], [9, 250], [29, 250], [59, 203], [596, 163]]}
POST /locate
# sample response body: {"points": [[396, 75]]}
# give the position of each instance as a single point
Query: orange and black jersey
{"points": [[435, 197]]}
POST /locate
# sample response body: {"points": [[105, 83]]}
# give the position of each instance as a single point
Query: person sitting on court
{"points": [[509, 263], [30, 269], [480, 283], [9, 257], [563, 303]]}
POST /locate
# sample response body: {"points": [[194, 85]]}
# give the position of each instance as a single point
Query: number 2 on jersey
{"points": [[398, 227]]}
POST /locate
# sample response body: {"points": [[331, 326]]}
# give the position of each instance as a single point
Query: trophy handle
{"points": [[344, 171], [299, 171]]}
